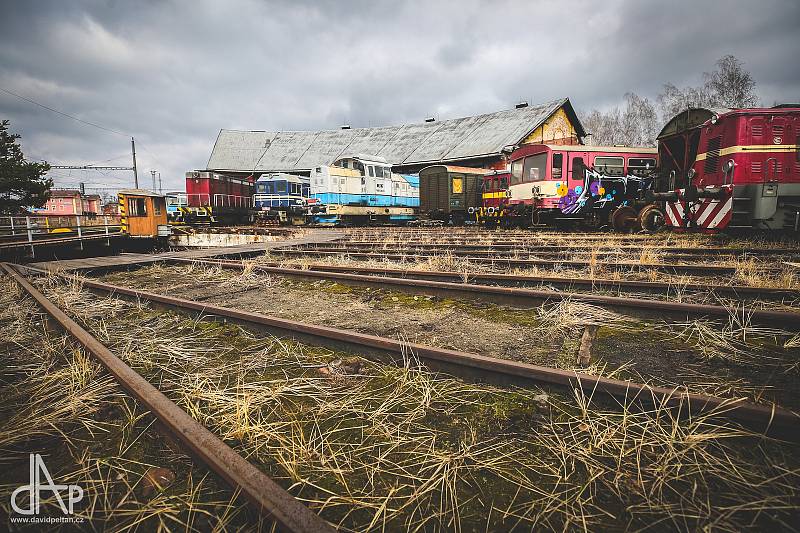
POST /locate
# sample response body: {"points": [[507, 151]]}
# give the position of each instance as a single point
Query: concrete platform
{"points": [[112, 261]]}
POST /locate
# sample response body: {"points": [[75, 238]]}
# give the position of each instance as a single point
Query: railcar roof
{"points": [[283, 176], [590, 148], [139, 192], [456, 169]]}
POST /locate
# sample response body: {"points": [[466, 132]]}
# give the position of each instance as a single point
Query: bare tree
{"points": [[639, 121], [636, 125], [672, 100], [730, 85]]}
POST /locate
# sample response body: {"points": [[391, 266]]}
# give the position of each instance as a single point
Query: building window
{"points": [[137, 207], [157, 206]]}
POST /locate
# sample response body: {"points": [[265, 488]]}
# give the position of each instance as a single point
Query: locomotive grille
{"points": [[712, 155], [755, 167], [777, 129], [758, 130]]}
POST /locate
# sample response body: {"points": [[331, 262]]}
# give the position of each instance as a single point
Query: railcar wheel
{"points": [[623, 219], [651, 218]]}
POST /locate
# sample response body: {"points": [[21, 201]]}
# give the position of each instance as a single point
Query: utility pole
{"points": [[160, 190], [153, 173], [135, 173]]}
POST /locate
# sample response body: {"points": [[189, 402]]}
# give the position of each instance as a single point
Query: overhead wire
{"points": [[34, 102], [86, 122]]}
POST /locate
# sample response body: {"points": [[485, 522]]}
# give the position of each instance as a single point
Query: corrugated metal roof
{"points": [[428, 142]]}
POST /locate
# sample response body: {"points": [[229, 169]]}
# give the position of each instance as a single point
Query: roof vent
{"points": [[521, 104], [430, 119], [345, 126]]}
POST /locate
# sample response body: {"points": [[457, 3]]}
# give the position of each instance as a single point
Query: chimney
{"points": [[521, 104], [345, 126], [430, 119]]}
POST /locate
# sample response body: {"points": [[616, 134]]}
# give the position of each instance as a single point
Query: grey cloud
{"points": [[173, 73]]}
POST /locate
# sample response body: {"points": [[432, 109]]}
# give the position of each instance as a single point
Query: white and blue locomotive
{"points": [[362, 189]]}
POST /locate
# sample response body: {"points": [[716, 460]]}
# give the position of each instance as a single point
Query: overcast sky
{"points": [[173, 73]]}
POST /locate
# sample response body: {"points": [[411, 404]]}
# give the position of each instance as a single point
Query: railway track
{"points": [[528, 296], [528, 247], [771, 420], [267, 496], [671, 268], [527, 252], [514, 280]]}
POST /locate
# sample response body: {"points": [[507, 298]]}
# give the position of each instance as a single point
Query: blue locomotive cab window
{"points": [[280, 187]]}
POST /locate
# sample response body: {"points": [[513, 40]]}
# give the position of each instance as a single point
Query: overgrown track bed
{"points": [[673, 268], [673, 290], [684, 311], [474, 366], [645, 255], [261, 490], [730, 358], [576, 246], [398, 448]]}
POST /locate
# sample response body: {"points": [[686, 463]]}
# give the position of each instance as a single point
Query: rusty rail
{"points": [[577, 248], [521, 280], [506, 261], [491, 291], [773, 420], [267, 495]]}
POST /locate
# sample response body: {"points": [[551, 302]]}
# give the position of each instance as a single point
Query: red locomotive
{"points": [[596, 185], [723, 168], [216, 198]]}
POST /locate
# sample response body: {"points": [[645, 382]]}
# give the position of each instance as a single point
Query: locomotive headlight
{"points": [[714, 118], [729, 165], [691, 174]]}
